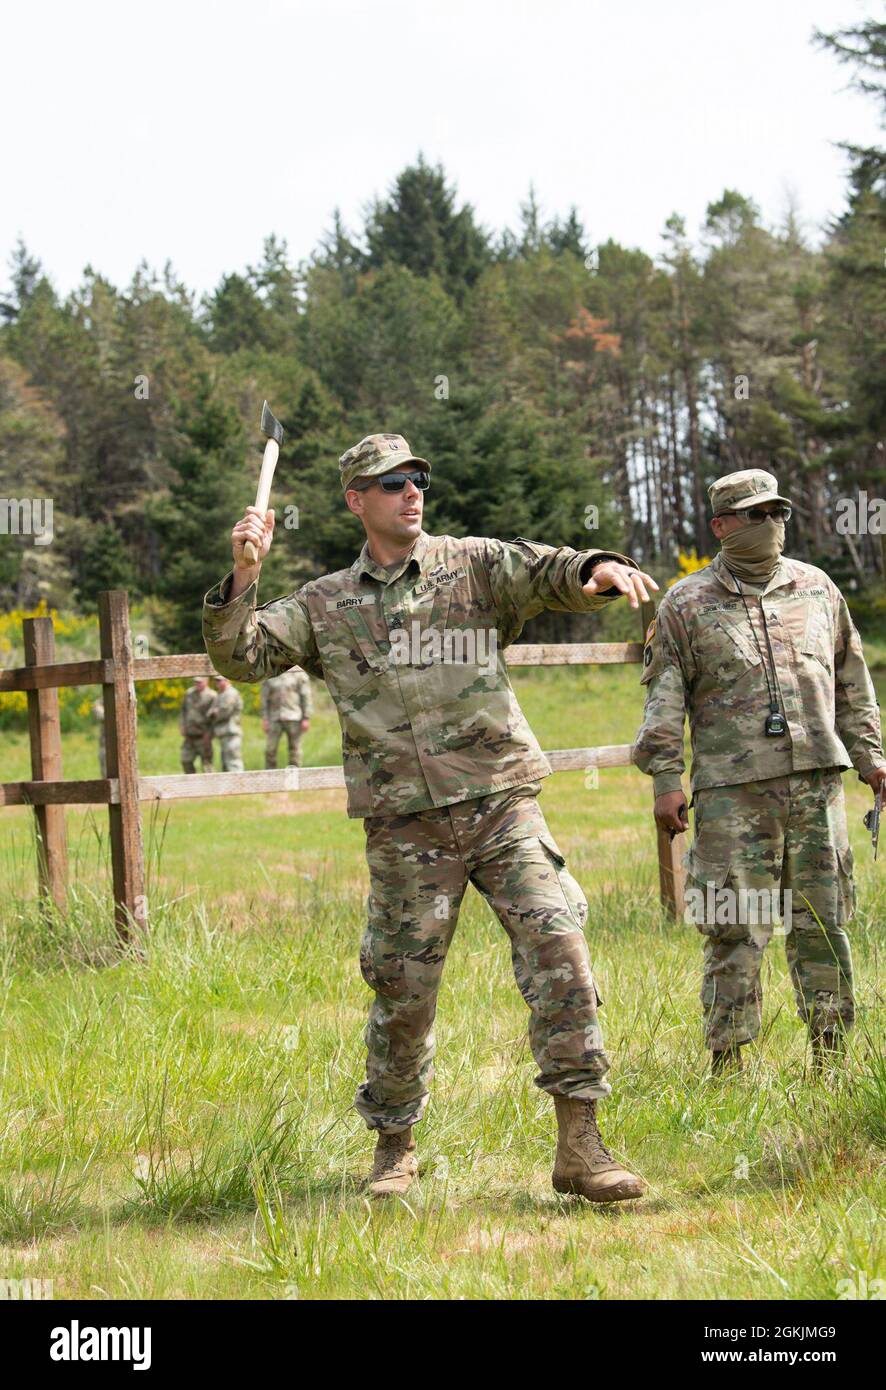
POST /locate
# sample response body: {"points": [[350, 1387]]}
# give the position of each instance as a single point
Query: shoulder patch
{"points": [[653, 654]]}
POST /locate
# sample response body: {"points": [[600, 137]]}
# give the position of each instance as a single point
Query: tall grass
{"points": [[178, 1122]]}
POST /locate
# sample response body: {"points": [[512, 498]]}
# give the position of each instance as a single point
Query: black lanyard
{"points": [[776, 724]]}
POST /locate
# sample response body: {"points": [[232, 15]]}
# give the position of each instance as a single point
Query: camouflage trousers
{"points": [[231, 746], [292, 730], [785, 839], [419, 867], [196, 746]]}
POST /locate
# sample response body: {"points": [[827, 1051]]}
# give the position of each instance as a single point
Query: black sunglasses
{"points": [[395, 482], [758, 515]]}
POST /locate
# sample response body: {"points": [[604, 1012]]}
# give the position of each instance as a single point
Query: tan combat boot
{"points": [[584, 1165], [394, 1166]]}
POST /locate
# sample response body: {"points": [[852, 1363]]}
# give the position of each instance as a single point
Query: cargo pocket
{"points": [[382, 966], [382, 957], [552, 847], [705, 871], [705, 877], [572, 891]]}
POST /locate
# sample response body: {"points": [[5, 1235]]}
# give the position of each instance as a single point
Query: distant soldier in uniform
{"points": [[442, 766], [98, 714], [285, 709], [195, 725], [761, 654], [226, 712]]}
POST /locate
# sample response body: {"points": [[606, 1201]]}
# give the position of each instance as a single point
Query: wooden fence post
{"points": [[121, 737], [671, 876], [44, 728]]}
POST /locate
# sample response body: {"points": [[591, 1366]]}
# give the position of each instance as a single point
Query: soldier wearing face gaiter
{"points": [[761, 655], [752, 552]]}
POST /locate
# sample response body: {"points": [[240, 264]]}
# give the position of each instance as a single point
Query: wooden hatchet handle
{"points": [[263, 496]]}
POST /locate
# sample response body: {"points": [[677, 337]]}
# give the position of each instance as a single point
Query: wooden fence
{"points": [[123, 790]]}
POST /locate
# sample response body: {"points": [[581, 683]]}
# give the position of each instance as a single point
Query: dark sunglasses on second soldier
{"points": [[756, 515], [395, 482]]}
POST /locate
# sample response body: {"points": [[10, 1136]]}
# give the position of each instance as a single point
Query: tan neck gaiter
{"points": [[752, 552]]}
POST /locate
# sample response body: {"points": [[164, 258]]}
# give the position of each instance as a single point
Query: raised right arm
{"points": [[247, 643]]}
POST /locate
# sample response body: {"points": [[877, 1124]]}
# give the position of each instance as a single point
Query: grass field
{"points": [[181, 1127]]}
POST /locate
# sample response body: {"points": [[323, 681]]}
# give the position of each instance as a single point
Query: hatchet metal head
{"points": [[273, 432], [270, 425]]}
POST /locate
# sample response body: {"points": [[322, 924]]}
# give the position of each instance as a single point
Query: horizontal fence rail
{"points": [[157, 668], [123, 790], [105, 791]]}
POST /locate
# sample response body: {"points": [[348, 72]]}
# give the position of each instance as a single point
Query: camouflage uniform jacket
{"points": [[287, 696], [428, 732], [226, 711], [195, 717], [701, 659]]}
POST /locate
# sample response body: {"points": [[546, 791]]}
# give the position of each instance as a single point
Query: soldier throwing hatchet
{"points": [[442, 766]]}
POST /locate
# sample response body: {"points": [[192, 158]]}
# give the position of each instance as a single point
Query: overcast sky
{"points": [[190, 131]]}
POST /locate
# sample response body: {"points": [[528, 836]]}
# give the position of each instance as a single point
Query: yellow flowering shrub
{"points": [[14, 707], [688, 563], [76, 639], [72, 628]]}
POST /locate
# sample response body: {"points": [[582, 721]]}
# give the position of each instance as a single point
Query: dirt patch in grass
{"points": [[249, 907], [480, 1240]]}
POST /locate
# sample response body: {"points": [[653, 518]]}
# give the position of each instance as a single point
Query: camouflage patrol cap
{"points": [[377, 453], [750, 487]]}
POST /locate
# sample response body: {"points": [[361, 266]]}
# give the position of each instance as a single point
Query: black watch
{"points": [[600, 559]]}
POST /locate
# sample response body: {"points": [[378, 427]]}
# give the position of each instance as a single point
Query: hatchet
{"points": [[273, 432]]}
